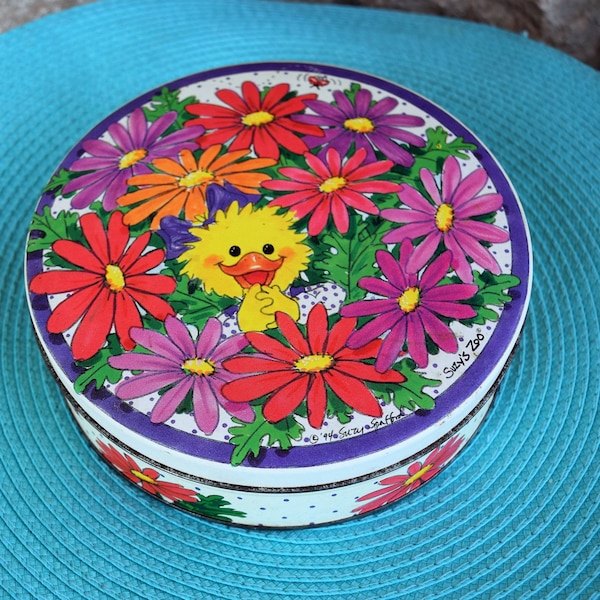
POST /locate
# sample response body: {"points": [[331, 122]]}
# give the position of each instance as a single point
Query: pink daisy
{"points": [[331, 187], [451, 219], [176, 365], [411, 307]]}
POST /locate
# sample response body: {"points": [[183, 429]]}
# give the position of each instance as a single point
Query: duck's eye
{"points": [[268, 249], [235, 251]]}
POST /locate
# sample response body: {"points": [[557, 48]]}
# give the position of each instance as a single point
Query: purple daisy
{"points": [[411, 307], [177, 365], [365, 124], [451, 219], [134, 146]]}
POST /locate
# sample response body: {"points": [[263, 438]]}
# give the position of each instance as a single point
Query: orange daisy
{"points": [[181, 185]]}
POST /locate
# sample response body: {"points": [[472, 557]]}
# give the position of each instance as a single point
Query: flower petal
{"points": [[94, 326], [415, 338], [270, 346], [316, 401], [208, 338], [159, 344], [255, 363], [353, 392], [365, 372], [252, 387], [60, 281], [292, 334], [229, 347], [70, 310], [469, 187], [391, 347], [206, 407], [317, 328], [146, 383], [95, 235], [171, 399], [126, 316], [438, 331], [286, 399]]}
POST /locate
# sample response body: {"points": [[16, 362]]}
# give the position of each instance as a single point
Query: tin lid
{"points": [[278, 275]]}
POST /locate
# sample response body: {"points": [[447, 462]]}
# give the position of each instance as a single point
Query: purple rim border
{"points": [[504, 335]]}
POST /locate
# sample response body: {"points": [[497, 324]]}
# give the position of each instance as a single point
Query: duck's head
{"points": [[246, 246]]}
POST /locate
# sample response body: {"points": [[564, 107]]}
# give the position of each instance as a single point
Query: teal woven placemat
{"points": [[517, 513]]}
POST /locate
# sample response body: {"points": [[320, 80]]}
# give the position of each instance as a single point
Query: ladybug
{"points": [[317, 81]]}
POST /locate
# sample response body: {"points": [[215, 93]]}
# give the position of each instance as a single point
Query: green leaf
{"points": [[61, 227], [195, 305], [60, 179], [97, 369], [167, 101], [351, 93], [248, 437], [213, 507], [408, 395], [338, 409], [492, 292], [432, 156], [348, 258]]}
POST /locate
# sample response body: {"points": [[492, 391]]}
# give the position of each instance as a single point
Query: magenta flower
{"points": [[397, 486], [411, 307], [451, 220], [366, 125], [135, 145], [177, 365], [330, 187]]}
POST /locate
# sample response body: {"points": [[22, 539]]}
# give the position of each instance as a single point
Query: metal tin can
{"points": [[279, 294]]}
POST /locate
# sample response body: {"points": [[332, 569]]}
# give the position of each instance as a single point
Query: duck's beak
{"points": [[253, 268]]}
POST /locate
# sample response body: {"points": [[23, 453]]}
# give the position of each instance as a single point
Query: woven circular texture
{"points": [[515, 516]]}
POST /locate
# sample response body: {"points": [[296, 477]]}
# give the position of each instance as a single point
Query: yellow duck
{"points": [[253, 254]]}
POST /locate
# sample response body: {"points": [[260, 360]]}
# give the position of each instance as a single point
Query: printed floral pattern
{"points": [[181, 185], [178, 363], [412, 307], [109, 283], [305, 368], [264, 265], [135, 145], [395, 487], [148, 479], [262, 123], [366, 124], [451, 219], [331, 187]]}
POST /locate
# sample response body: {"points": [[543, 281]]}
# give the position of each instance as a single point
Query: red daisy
{"points": [[330, 187], [263, 123], [306, 368], [107, 285], [147, 479], [418, 473]]}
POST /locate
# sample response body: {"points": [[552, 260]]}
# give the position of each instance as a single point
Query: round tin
{"points": [[279, 294]]}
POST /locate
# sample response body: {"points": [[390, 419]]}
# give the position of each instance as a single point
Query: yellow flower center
{"points": [[142, 477], [256, 119], [418, 474], [195, 178], [359, 124], [114, 278], [199, 366], [132, 157], [410, 299], [332, 184], [444, 217], [314, 363]]}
